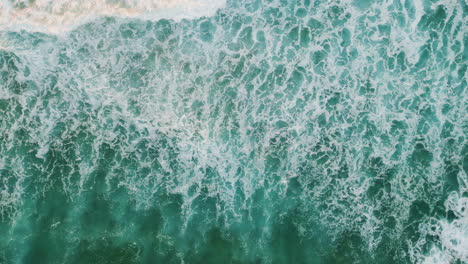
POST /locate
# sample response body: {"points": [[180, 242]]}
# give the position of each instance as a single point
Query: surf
{"points": [[56, 17]]}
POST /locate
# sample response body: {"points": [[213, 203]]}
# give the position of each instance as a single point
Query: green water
{"points": [[272, 132]]}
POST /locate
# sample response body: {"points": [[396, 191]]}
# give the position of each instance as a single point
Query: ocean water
{"points": [[237, 131]]}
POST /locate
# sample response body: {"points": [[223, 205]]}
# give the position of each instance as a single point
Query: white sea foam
{"points": [[453, 234], [58, 16]]}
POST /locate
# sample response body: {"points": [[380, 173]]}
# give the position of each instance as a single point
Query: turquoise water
{"points": [[271, 131]]}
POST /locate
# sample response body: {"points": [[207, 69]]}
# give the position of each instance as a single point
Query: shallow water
{"points": [[259, 131]]}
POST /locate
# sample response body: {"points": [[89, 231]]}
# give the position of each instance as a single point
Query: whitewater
{"points": [[237, 131]]}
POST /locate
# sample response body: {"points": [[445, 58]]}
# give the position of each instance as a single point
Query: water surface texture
{"points": [[245, 131]]}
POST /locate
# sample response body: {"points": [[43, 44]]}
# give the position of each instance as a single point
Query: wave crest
{"points": [[57, 16]]}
